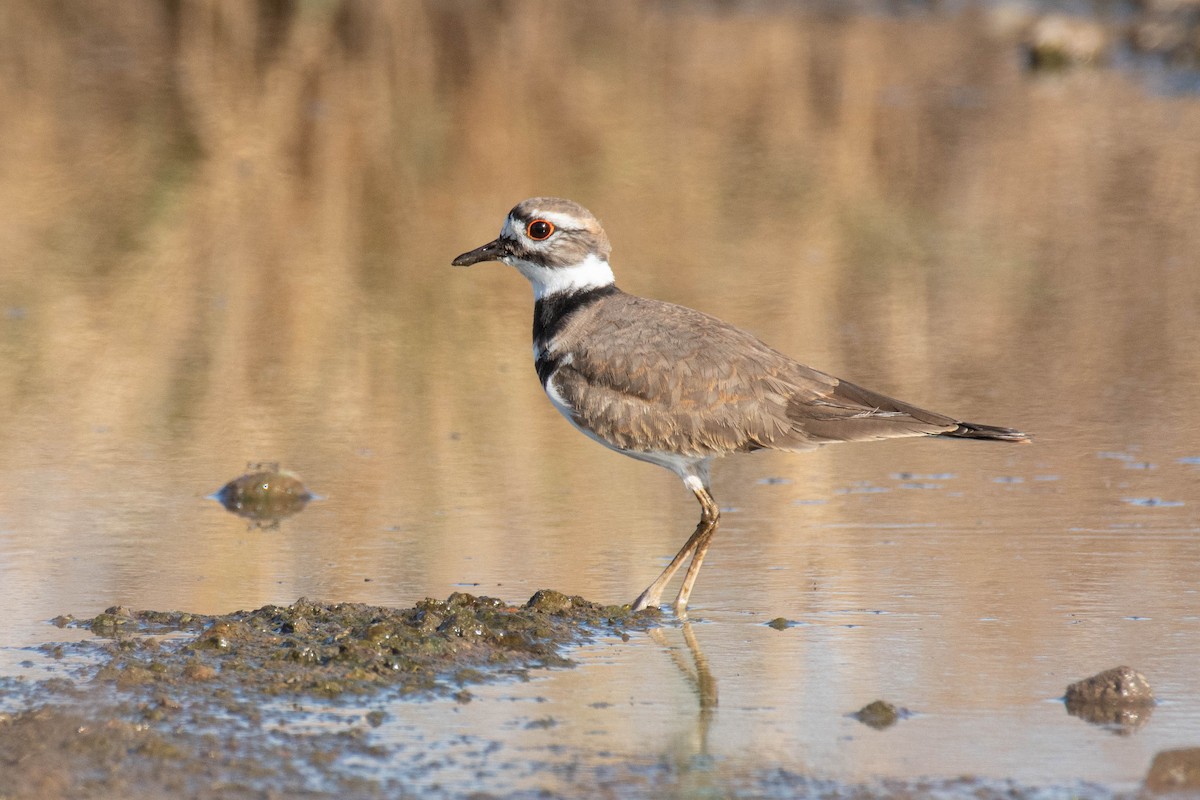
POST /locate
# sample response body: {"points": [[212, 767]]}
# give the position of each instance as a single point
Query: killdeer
{"points": [[672, 386]]}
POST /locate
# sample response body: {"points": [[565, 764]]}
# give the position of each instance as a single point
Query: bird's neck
{"points": [[593, 272], [552, 312]]}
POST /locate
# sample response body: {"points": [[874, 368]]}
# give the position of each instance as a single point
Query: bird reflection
{"points": [[698, 674]]}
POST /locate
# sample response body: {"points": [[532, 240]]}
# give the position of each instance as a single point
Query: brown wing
{"points": [[684, 382]]}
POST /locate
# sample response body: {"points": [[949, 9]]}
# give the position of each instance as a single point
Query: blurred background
{"points": [[225, 237]]}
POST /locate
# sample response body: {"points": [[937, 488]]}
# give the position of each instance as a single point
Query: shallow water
{"points": [[219, 268]]}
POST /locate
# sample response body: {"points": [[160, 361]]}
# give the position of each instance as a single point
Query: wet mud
{"points": [[325, 650], [176, 704], [172, 704], [1119, 699]]}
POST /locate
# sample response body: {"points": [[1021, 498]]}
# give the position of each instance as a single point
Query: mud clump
{"points": [[1175, 771], [1119, 686], [192, 714], [1119, 697], [880, 714], [265, 495], [328, 649]]}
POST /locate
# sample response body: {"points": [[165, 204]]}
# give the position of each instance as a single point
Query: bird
{"points": [[673, 386]]}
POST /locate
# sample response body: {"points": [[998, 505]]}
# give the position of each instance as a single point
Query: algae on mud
{"points": [[325, 649], [188, 718]]}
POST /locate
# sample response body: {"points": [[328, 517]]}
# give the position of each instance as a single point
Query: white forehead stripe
{"points": [[558, 220]]}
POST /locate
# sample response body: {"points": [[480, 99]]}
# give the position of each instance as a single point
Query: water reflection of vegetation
{"points": [[251, 173], [223, 223]]}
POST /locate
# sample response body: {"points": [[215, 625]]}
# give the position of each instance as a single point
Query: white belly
{"points": [[684, 466]]}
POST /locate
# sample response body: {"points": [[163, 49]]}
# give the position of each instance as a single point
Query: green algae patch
{"points": [[329, 649]]}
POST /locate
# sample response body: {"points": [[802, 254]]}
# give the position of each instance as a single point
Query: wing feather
{"points": [[681, 381]]}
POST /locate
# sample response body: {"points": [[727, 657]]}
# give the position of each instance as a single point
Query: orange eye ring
{"points": [[539, 230]]}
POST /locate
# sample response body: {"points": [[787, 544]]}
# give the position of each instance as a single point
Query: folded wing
{"points": [[684, 382]]}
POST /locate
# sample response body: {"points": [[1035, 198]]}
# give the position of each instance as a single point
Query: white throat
{"points": [[591, 273]]}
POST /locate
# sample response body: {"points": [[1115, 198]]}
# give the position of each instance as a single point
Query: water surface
{"points": [[226, 239]]}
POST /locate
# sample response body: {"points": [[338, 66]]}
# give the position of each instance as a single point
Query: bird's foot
{"points": [[653, 599], [647, 599]]}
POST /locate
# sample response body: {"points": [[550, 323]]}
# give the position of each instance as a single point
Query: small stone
{"points": [[222, 634], [1120, 687], [111, 622], [167, 702], [264, 496], [380, 631], [1118, 698], [879, 714], [199, 672], [1060, 41], [1174, 771], [548, 601]]}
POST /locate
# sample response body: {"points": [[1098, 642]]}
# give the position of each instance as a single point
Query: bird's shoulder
{"points": [[658, 330], [662, 353]]}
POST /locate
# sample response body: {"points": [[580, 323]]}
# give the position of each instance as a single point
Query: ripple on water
{"points": [[1151, 502]]}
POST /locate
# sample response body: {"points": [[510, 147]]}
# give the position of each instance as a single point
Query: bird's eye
{"points": [[539, 230]]}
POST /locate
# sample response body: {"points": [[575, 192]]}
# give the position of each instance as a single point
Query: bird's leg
{"points": [[709, 512], [653, 594], [709, 516]]}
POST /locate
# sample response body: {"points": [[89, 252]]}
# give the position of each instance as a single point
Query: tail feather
{"points": [[973, 430]]}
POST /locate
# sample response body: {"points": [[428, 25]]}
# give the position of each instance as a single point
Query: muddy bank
{"points": [[174, 704], [63, 753], [114, 750], [289, 702], [179, 704], [326, 650]]}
